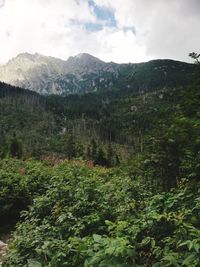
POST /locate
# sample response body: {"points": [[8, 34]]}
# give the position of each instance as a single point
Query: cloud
{"points": [[168, 29], [2, 3], [40, 26], [120, 30]]}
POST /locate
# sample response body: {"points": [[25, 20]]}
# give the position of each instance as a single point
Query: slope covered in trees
{"points": [[24, 122], [144, 210], [106, 128]]}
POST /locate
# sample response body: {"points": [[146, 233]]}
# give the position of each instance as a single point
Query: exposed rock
{"points": [[2, 245], [48, 75], [85, 73]]}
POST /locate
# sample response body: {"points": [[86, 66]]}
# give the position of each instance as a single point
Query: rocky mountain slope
{"points": [[85, 73]]}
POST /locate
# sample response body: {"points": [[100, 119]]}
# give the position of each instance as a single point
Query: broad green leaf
{"points": [[34, 263], [190, 260], [97, 238]]}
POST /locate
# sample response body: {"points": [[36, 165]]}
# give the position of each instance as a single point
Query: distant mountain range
{"points": [[85, 73]]}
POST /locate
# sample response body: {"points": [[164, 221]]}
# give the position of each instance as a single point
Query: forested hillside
{"points": [[104, 179], [106, 128]]}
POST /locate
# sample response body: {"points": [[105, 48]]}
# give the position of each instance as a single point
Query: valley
{"points": [[99, 162]]}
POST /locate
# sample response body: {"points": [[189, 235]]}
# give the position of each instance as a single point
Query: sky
{"points": [[113, 30]]}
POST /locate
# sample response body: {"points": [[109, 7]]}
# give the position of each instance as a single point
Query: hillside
{"points": [[23, 119], [106, 127], [84, 73], [102, 179]]}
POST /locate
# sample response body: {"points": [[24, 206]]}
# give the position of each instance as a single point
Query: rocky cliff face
{"points": [[48, 75], [83, 64]]}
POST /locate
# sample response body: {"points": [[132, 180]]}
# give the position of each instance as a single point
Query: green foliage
{"points": [[145, 212], [85, 216], [71, 147], [20, 182]]}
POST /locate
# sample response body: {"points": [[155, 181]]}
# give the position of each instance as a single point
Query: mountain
{"points": [[34, 72], [73, 214], [84, 63], [59, 207], [85, 73], [48, 75]]}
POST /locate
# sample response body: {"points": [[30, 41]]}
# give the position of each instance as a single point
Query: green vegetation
{"points": [[20, 182], [83, 216], [162, 127], [109, 179]]}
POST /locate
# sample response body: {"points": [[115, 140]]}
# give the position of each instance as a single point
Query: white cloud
{"points": [[42, 26], [164, 29], [120, 46]]}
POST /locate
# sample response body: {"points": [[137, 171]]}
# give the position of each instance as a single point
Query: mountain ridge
{"points": [[84, 73]]}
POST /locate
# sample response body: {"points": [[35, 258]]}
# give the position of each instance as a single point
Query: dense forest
{"points": [[108, 179]]}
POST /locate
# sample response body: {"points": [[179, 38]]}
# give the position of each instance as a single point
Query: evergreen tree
{"points": [[88, 153], [16, 148], [93, 149], [101, 158], [71, 147], [196, 58], [3, 148], [111, 158]]}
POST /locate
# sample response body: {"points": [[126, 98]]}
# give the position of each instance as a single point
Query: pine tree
{"points": [[111, 159], [16, 148], [93, 149], [101, 158], [71, 147]]}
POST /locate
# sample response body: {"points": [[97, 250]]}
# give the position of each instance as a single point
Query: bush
{"points": [[98, 217]]}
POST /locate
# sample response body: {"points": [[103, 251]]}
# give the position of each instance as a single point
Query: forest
{"points": [[104, 179]]}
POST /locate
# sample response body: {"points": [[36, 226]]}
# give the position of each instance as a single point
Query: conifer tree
{"points": [[16, 148]]}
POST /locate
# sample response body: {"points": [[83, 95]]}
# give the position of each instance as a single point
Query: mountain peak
{"points": [[84, 63], [81, 55], [30, 56], [84, 57], [82, 73]]}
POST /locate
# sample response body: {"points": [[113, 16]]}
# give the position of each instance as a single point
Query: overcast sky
{"points": [[113, 30]]}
